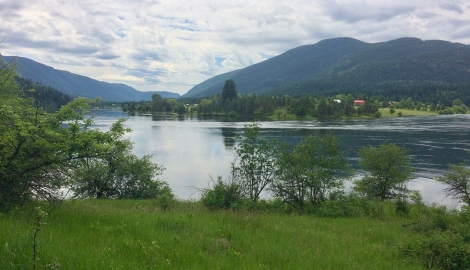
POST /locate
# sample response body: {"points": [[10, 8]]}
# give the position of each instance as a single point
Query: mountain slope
{"points": [[345, 65], [77, 85], [214, 82], [400, 67], [299, 64]]}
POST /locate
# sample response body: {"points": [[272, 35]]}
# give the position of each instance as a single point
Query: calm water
{"points": [[193, 150]]}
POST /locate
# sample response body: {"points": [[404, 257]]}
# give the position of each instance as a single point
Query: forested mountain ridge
{"points": [[345, 65], [77, 85], [44, 96], [296, 65]]}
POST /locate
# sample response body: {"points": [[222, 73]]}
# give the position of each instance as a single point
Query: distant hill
{"points": [[77, 85], [45, 96], [346, 65]]}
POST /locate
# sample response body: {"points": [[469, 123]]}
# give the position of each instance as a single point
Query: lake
{"points": [[194, 150]]}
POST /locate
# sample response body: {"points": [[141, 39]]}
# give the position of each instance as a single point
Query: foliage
{"points": [[222, 195], [440, 241], [350, 205], [119, 174], [44, 96], [387, 169], [458, 180], [181, 110], [310, 172], [438, 249], [229, 91], [256, 162], [41, 152]]}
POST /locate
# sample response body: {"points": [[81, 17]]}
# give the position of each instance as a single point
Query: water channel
{"points": [[193, 149]]}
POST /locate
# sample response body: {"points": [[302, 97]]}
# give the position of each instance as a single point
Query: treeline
{"points": [[425, 92], [44, 96], [260, 106]]}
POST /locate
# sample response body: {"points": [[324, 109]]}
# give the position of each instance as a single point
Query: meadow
{"points": [[130, 234]]}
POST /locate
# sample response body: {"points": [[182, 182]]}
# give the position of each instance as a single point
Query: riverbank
{"points": [[282, 115], [385, 112], [114, 234]]}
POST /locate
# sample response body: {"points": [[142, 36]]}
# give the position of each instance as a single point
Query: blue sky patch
{"points": [[219, 60]]}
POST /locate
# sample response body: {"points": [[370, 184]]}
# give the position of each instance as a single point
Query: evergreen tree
{"points": [[230, 91]]}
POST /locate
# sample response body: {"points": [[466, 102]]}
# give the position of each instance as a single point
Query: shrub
{"points": [[351, 205], [222, 195], [442, 240], [166, 198], [402, 207], [438, 249], [232, 114]]}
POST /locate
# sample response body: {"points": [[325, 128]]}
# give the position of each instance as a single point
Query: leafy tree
{"points": [[120, 174], [457, 102], [300, 111], [322, 108], [229, 91], [39, 151], [387, 169], [181, 110], [256, 164], [310, 172], [458, 179], [158, 103]]}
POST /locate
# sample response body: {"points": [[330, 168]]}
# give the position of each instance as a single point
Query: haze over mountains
{"points": [[77, 85], [346, 65]]}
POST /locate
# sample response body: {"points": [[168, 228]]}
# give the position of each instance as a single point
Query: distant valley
{"points": [[77, 85]]}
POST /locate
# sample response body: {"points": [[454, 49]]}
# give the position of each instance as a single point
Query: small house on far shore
{"points": [[359, 102]]}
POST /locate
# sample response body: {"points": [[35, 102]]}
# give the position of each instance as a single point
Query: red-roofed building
{"points": [[359, 102]]}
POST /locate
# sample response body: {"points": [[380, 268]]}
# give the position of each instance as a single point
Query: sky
{"points": [[166, 45]]}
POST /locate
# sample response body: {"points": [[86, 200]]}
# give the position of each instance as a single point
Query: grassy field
{"points": [[282, 115], [385, 112], [109, 234]]}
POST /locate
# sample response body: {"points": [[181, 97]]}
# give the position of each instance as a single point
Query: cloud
{"points": [[356, 11], [174, 45], [451, 7]]}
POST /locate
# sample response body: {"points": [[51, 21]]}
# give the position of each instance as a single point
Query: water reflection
{"points": [[229, 135]]}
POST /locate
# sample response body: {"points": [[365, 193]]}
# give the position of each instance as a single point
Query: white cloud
{"points": [[173, 45]]}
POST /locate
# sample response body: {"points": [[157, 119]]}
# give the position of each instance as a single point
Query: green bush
{"points": [[351, 205], [166, 198], [402, 207], [222, 195], [442, 239], [232, 114], [438, 249]]}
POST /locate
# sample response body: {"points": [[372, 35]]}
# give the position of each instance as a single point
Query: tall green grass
{"points": [[124, 234], [385, 112]]}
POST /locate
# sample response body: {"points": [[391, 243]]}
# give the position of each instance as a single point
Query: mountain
{"points": [[346, 65], [77, 85]]}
